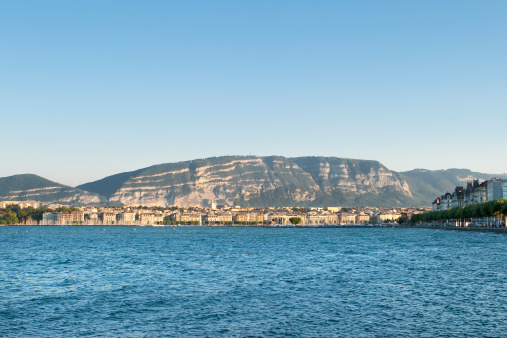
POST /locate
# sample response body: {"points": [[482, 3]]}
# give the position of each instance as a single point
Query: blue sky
{"points": [[93, 88]]}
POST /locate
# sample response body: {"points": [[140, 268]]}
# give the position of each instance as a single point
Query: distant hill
{"points": [[251, 181], [29, 187]]}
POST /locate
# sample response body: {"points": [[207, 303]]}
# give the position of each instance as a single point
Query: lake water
{"points": [[232, 281]]}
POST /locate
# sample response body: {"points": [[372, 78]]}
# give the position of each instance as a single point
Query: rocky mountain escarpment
{"points": [[258, 181], [251, 181], [360, 181]]}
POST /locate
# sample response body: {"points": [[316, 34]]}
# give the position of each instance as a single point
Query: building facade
{"points": [[491, 190]]}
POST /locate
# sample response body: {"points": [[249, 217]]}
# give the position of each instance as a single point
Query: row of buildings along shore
{"points": [[474, 192], [216, 215]]}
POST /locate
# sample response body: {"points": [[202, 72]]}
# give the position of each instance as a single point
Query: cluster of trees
{"points": [[13, 214], [497, 208], [9, 218], [403, 219]]}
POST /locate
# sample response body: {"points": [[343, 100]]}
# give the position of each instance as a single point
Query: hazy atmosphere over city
{"points": [[94, 88]]}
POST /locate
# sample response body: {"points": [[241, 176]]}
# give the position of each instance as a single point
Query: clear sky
{"points": [[93, 88]]}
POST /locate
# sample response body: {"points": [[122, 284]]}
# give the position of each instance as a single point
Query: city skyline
{"points": [[91, 89]]}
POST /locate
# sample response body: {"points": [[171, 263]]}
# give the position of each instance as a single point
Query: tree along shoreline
{"points": [[14, 214], [491, 214]]}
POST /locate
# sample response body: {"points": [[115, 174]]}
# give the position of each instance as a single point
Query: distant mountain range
{"points": [[251, 181]]}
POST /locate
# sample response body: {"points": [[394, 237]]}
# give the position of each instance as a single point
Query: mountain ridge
{"points": [[252, 181], [306, 181]]}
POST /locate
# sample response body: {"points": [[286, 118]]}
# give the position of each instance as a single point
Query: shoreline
{"points": [[483, 229], [328, 226]]}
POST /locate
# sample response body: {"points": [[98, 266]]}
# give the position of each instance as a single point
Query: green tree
{"points": [[295, 220], [476, 210], [496, 209], [468, 211], [10, 218], [66, 209], [403, 219], [504, 209], [486, 210]]}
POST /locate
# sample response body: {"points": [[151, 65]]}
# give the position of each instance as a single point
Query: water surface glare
{"points": [[248, 281]]}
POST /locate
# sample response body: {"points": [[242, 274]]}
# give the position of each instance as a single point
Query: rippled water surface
{"points": [[190, 281]]}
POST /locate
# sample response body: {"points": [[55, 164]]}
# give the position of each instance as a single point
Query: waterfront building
{"points": [[107, 217], [332, 218], [126, 218], [480, 194], [496, 189], [250, 217], [92, 218], [63, 218], [284, 218], [77, 217], [30, 221], [48, 218], [146, 218], [457, 197], [447, 200], [321, 218], [185, 217], [347, 218], [217, 218], [158, 217], [313, 218], [362, 218], [491, 190], [443, 202], [470, 197], [435, 206], [389, 217]]}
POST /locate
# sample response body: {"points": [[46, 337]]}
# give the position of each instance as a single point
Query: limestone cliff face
{"points": [[352, 176], [224, 180], [260, 181], [356, 180]]}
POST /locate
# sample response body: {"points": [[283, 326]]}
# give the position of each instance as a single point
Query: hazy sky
{"points": [[93, 88]]}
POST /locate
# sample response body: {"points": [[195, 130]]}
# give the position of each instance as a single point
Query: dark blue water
{"points": [[148, 282]]}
